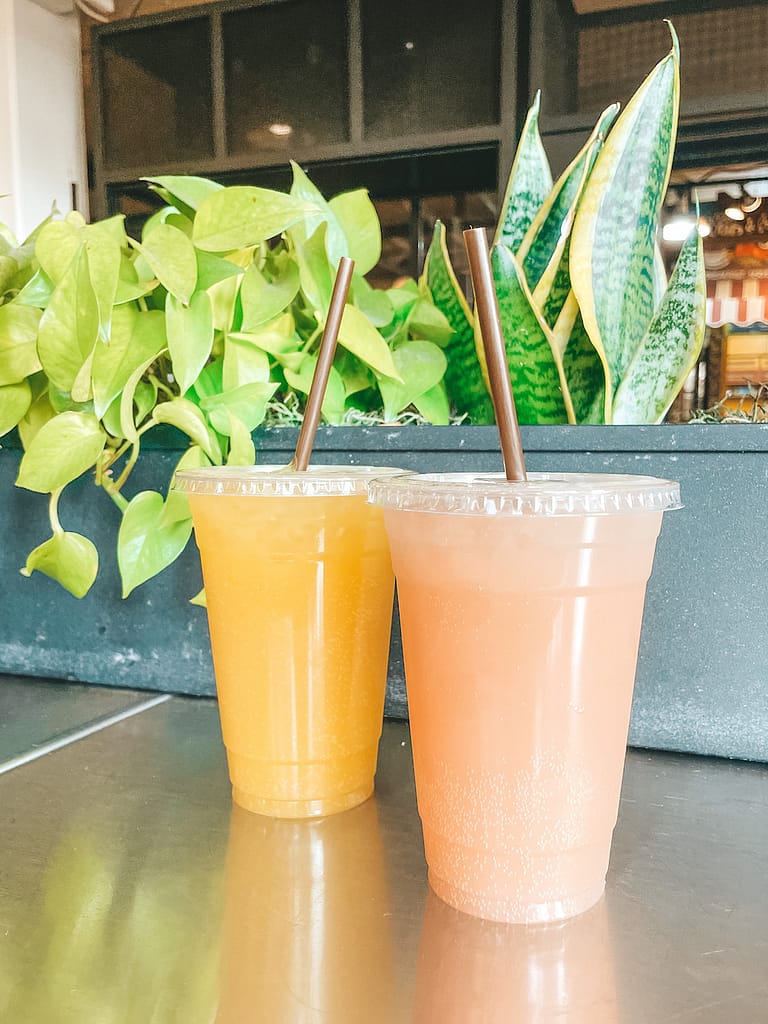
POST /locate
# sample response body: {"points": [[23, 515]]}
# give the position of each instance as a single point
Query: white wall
{"points": [[42, 150]]}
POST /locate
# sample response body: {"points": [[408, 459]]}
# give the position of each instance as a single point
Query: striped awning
{"points": [[740, 302]]}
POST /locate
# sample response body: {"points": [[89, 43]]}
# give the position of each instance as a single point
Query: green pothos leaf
{"points": [[63, 448], [145, 544], [69, 558]]}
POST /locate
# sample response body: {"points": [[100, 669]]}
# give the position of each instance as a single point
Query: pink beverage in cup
{"points": [[520, 606]]}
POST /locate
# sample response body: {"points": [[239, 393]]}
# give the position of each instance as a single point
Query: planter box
{"points": [[702, 683]]}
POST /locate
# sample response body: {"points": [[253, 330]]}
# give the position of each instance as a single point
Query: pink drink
{"points": [[521, 608]]}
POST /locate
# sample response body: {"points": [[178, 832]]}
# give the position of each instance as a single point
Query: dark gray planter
{"points": [[702, 683]]}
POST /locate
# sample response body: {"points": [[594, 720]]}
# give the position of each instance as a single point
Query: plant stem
{"points": [[161, 386], [53, 510], [311, 339]]}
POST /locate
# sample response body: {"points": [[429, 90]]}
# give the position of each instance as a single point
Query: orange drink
{"points": [[299, 588], [520, 606]]}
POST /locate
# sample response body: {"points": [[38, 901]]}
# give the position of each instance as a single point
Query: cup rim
{"points": [[541, 495]]}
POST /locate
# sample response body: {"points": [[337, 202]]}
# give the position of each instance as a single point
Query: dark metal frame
{"points": [[503, 133]]}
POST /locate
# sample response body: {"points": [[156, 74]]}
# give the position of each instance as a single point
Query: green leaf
{"points": [[136, 339], [248, 403], [104, 262], [56, 246], [15, 400], [528, 185], [210, 382], [355, 374], [243, 363], [336, 244], [613, 244], [63, 449], [315, 270], [18, 342], [212, 269], [585, 394], [361, 338], [242, 451], [241, 216], [335, 393], [535, 373], [113, 227], [144, 545], [671, 347], [129, 285], [186, 416], [171, 256], [176, 506], [421, 366], [359, 221], [185, 190], [264, 300], [541, 250], [69, 326], [144, 400], [427, 322], [190, 336], [36, 416], [69, 558], [375, 303], [224, 296], [464, 379], [127, 418], [277, 338], [434, 406], [37, 291]]}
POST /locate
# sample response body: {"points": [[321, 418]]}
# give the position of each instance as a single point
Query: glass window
{"points": [[156, 85], [430, 66], [286, 76]]}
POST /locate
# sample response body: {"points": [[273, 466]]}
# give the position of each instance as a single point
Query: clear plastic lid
{"points": [[281, 481], [543, 494]]}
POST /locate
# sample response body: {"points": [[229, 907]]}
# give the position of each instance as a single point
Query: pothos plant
{"points": [[593, 331], [216, 311]]}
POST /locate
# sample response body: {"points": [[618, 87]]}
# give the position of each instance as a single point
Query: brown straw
{"points": [[487, 307], [323, 368]]}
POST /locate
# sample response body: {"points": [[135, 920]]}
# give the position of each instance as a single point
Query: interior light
{"points": [[280, 130], [705, 228], [734, 212], [751, 204], [409, 45], [677, 229]]}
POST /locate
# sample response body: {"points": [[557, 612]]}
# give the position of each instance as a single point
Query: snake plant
{"points": [[593, 332]]}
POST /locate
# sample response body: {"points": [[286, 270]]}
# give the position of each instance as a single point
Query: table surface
{"points": [[133, 892]]}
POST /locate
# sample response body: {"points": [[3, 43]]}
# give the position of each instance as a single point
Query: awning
{"points": [[739, 302]]}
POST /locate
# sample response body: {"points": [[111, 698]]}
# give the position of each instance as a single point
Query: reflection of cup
{"points": [[520, 607], [298, 584], [306, 922], [473, 970]]}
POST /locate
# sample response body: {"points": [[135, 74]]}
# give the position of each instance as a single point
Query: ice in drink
{"points": [[299, 587], [521, 606]]}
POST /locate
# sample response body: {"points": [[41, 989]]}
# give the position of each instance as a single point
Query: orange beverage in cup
{"points": [[299, 587], [520, 606]]}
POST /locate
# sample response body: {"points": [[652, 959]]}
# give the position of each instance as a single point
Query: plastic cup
{"points": [[299, 587], [520, 606]]}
